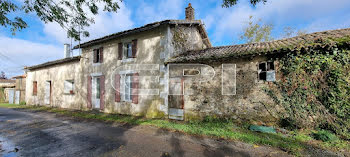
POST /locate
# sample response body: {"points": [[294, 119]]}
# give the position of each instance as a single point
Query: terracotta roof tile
{"points": [[55, 62], [145, 28], [235, 51]]}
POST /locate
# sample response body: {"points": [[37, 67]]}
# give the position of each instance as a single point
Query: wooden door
{"points": [[176, 98]]}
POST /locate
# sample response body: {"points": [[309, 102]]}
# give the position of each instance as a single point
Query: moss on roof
{"points": [[325, 39], [55, 62], [145, 28]]}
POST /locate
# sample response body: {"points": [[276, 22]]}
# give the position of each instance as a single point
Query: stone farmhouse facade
{"points": [[166, 69]]}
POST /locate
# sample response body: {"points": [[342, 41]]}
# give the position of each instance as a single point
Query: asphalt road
{"points": [[28, 133]]}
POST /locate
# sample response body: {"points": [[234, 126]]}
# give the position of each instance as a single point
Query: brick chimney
{"points": [[189, 12]]}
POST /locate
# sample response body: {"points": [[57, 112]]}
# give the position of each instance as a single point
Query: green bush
{"points": [[288, 123], [22, 103], [325, 136], [314, 89]]}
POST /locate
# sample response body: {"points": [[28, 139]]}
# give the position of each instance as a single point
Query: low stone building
{"points": [[241, 73], [6, 85], [166, 69], [20, 88]]}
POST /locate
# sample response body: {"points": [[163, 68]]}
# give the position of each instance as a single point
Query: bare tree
{"points": [[256, 31], [2, 75]]}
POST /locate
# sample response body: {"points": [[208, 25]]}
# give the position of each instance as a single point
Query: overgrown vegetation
{"points": [[2, 94], [294, 143], [314, 88], [325, 136]]}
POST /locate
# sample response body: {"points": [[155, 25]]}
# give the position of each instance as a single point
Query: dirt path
{"points": [[46, 134]]}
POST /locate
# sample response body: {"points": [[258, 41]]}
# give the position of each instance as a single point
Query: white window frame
{"points": [[266, 71], [127, 88], [124, 75]]}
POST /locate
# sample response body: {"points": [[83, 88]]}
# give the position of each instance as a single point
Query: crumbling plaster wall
{"points": [[151, 49], [57, 75], [185, 38], [251, 103]]}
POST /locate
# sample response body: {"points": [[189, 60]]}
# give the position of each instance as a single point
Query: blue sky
{"points": [[42, 42]]}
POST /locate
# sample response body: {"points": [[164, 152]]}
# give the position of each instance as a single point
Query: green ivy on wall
{"points": [[314, 89]]}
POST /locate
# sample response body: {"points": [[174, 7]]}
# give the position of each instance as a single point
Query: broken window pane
{"points": [[267, 71], [262, 66], [270, 66], [262, 75]]}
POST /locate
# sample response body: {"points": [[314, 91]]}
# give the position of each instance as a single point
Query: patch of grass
{"points": [[6, 105], [325, 136], [294, 143]]}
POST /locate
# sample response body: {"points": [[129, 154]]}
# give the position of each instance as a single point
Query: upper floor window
{"points": [[127, 50], [98, 55], [267, 71]]}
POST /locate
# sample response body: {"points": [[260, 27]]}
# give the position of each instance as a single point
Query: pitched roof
{"points": [[7, 81], [148, 27], [289, 44], [19, 76], [55, 62]]}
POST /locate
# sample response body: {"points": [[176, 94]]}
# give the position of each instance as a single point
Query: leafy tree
{"points": [[2, 75], [290, 32], [301, 32], [72, 15], [256, 31], [230, 3]]}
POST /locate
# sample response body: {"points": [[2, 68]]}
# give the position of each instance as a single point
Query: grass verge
{"points": [[294, 142]]}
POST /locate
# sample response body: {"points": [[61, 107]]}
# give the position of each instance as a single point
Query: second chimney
{"points": [[66, 51], [189, 12]]}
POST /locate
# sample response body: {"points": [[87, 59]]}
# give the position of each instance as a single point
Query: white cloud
{"points": [[228, 22], [25, 53], [105, 23], [167, 9]]}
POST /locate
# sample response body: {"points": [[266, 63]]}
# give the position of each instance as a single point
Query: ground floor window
{"points": [[266, 71], [127, 87], [69, 87]]}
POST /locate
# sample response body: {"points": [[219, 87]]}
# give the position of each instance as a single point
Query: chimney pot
{"points": [[189, 12], [66, 51]]}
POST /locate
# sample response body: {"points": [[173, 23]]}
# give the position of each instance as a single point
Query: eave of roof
{"points": [[7, 81], [139, 29], [20, 76], [320, 39], [55, 62]]}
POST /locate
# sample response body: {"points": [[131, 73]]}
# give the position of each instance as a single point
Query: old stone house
{"points": [[166, 69]]}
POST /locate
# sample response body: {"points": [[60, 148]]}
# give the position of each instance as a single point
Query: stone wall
{"points": [[57, 75], [250, 103]]}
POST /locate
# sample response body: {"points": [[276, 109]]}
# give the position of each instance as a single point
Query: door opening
{"points": [[48, 92], [96, 96], [176, 98]]}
